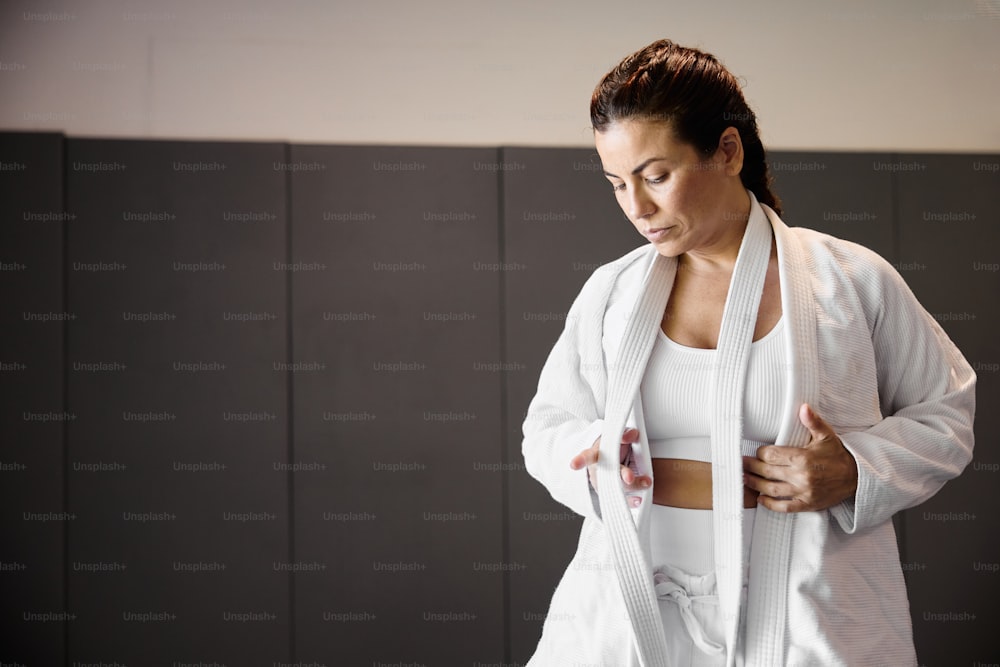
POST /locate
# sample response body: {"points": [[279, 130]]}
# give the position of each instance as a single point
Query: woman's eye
{"points": [[620, 187]]}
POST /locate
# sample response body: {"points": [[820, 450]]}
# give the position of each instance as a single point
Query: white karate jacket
{"points": [[826, 588]]}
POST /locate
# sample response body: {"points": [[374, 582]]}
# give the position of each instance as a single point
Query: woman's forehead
{"points": [[627, 145]]}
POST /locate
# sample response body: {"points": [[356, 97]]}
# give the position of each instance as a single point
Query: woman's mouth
{"points": [[657, 233]]}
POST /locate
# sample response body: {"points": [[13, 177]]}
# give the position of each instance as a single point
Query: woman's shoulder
{"points": [[827, 250], [633, 259], [830, 253], [608, 281], [853, 267], [630, 265]]}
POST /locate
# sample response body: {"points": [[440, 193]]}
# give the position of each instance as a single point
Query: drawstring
{"points": [[667, 589]]}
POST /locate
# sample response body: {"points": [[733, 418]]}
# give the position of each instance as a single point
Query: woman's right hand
{"points": [[632, 481]]}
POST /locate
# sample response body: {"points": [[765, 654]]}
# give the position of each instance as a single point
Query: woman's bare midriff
{"points": [[688, 484]]}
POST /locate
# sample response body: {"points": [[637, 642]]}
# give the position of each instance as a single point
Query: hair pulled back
{"points": [[692, 91]]}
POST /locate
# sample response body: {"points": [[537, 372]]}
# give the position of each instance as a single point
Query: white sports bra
{"points": [[676, 394]]}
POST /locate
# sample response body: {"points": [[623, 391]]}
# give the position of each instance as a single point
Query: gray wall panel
{"points": [[842, 194], [561, 221], [33, 412], [176, 380], [397, 315], [949, 210]]}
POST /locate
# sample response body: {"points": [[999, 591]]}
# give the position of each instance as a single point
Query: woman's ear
{"points": [[731, 145]]}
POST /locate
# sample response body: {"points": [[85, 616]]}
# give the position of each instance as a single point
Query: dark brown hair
{"points": [[692, 91]]}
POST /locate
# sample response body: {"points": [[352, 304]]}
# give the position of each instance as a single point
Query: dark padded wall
{"points": [[838, 194], [181, 524], [284, 425], [33, 413], [397, 405]]}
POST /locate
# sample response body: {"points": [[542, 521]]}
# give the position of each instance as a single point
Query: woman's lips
{"points": [[656, 234]]}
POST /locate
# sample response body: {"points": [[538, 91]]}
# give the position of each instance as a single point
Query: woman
{"points": [[767, 396]]}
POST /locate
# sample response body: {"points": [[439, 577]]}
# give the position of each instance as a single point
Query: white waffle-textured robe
{"points": [[826, 588]]}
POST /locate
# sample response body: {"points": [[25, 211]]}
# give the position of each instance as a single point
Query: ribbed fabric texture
{"points": [[631, 566], [735, 335], [676, 394], [766, 633]]}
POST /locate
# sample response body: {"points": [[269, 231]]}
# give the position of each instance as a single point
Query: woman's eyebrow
{"points": [[639, 168]]}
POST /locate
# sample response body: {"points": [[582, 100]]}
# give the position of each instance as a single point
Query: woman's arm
{"points": [[566, 414], [927, 394]]}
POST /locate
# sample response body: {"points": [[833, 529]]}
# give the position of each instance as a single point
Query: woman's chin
{"points": [[667, 248]]}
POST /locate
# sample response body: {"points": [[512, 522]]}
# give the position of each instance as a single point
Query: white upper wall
{"points": [[906, 75]]}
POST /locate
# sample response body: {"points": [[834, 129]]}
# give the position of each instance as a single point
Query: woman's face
{"points": [[677, 198]]}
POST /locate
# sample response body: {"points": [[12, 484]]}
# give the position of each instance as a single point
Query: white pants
{"points": [[682, 549]]}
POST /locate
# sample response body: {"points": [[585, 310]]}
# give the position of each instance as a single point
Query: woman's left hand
{"points": [[803, 479]]}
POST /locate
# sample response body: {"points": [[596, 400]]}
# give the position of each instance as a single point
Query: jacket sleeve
{"points": [[927, 398], [566, 415]]}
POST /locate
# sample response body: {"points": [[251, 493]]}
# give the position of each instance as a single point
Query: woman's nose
{"points": [[639, 203]]}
